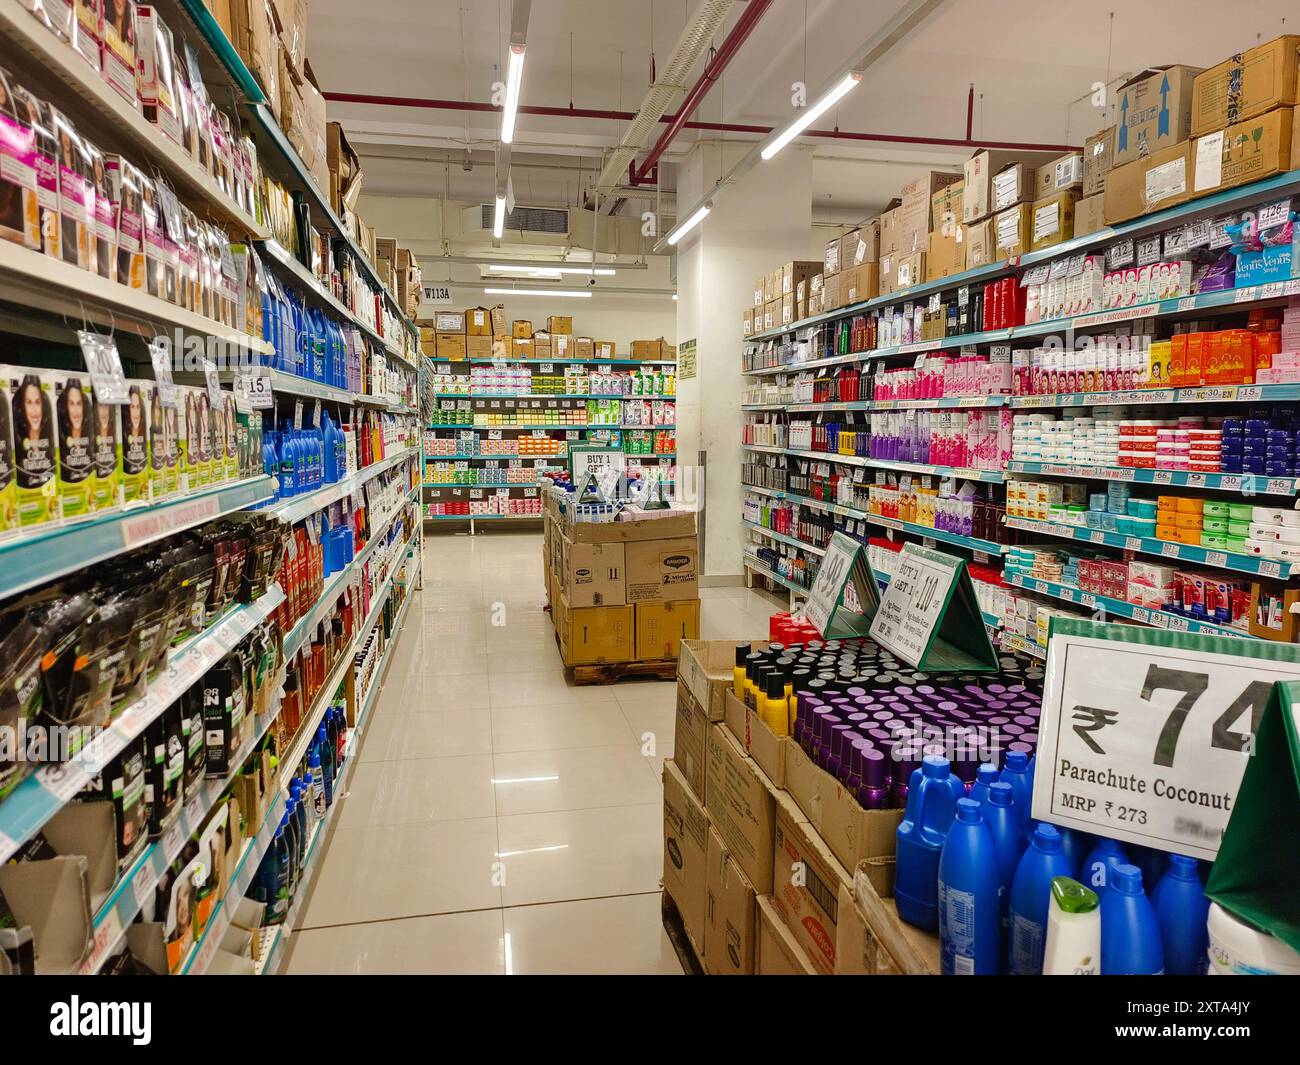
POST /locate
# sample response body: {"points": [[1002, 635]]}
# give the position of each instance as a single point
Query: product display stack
{"points": [[507, 403], [209, 478]]}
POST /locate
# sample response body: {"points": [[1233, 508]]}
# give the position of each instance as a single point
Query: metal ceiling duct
{"points": [[672, 81]]}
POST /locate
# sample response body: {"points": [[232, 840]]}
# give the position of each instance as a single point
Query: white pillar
{"points": [[762, 221]]}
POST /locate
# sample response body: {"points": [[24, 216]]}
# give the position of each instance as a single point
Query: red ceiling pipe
{"points": [[740, 32], [708, 127]]}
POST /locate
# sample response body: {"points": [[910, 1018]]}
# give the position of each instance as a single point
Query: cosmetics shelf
{"points": [[80, 90], [39, 282], [136, 886], [783, 538], [297, 750], [944, 403], [1160, 619], [527, 484], [37, 798], [618, 361], [1245, 483], [1147, 545], [1011, 642], [483, 517], [293, 385], [298, 507], [537, 395], [753, 563], [961, 472], [1201, 394], [52, 551], [1280, 185]]}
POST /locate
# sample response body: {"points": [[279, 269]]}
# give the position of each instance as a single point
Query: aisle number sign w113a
{"points": [[1145, 735]]}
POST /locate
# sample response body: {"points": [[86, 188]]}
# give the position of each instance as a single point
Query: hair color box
{"points": [[73, 400], [31, 401]]}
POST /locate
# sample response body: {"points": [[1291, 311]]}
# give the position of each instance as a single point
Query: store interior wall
{"points": [[762, 220]]}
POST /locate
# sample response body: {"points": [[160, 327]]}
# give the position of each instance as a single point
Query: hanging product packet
{"points": [[87, 30], [47, 171], [21, 692], [73, 400], [20, 217], [126, 187], [104, 218], [8, 469], [76, 196], [119, 48]]}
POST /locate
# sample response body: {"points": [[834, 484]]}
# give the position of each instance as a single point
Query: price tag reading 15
{"points": [[1144, 736]]}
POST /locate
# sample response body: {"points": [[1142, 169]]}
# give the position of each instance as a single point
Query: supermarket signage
{"points": [[929, 616], [686, 368], [437, 294], [161, 356], [1145, 734], [604, 463], [104, 364], [844, 568], [253, 391]]}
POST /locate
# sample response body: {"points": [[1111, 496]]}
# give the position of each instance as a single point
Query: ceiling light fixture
{"points": [[578, 294], [547, 269], [682, 228], [514, 75], [810, 114], [499, 222]]}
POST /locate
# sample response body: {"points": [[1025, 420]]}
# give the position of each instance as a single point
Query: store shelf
{"points": [[765, 406], [1244, 483], [543, 395], [1161, 619], [960, 472], [39, 282], [1265, 567], [298, 507], [87, 96], [37, 798], [650, 428], [482, 517], [435, 484], [945, 403], [282, 260], [55, 550], [754, 564], [1010, 642], [567, 362], [793, 541], [1201, 394], [292, 385]]}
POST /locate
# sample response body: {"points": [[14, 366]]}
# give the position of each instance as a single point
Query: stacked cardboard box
{"points": [[399, 267], [773, 869], [623, 591], [467, 334]]}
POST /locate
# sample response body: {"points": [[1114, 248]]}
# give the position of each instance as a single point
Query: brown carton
{"points": [[910, 270], [888, 231], [584, 348], [662, 626], [1098, 158], [665, 569], [787, 309], [759, 742], [772, 314], [831, 289], [947, 253], [860, 283], [1059, 175], [741, 805], [1013, 230], [760, 291], [794, 272], [980, 244], [478, 347], [594, 635], [686, 843], [978, 200], [649, 349], [728, 914], [478, 322], [1245, 85], [747, 322], [777, 953], [1054, 219], [543, 346], [521, 330], [806, 882], [625, 532], [946, 207], [861, 245], [691, 739], [559, 323], [899, 948], [1161, 180], [914, 212], [1090, 215], [831, 261], [594, 574], [604, 349], [705, 667], [499, 320], [451, 346], [521, 348], [1155, 112], [1249, 151]]}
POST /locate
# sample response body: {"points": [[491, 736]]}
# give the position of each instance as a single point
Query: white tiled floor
{"points": [[500, 819]]}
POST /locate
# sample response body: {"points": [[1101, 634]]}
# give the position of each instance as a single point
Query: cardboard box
{"points": [[449, 321], [914, 212], [686, 844], [981, 244], [478, 347], [1155, 112], [854, 835], [256, 37], [451, 346], [344, 168], [861, 245], [1013, 230], [772, 313], [806, 882], [831, 260], [478, 322], [728, 914], [947, 254], [593, 574], [831, 292], [543, 346], [1245, 85], [605, 349], [1059, 175], [666, 569], [691, 739], [559, 323], [706, 667], [794, 272], [661, 627], [653, 349], [594, 635], [775, 287], [946, 207], [874, 929], [499, 320], [756, 738], [1090, 215], [1098, 158], [626, 532], [1054, 219], [978, 200], [888, 231], [760, 291], [584, 348], [1161, 180], [741, 804], [777, 952], [1249, 151], [859, 283], [521, 330], [909, 270], [521, 348], [1013, 185], [787, 309], [292, 16], [747, 322]]}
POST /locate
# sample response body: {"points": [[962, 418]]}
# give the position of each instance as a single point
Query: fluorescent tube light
{"points": [[810, 114], [682, 228], [499, 222], [572, 292], [514, 75]]}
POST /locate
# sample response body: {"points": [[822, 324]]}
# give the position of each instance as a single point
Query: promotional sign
{"points": [[929, 616], [1145, 734], [843, 568], [594, 458], [686, 360]]}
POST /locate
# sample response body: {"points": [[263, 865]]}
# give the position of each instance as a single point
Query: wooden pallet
{"points": [[677, 936], [609, 672]]}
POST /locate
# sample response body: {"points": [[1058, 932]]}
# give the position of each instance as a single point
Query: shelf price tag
{"points": [[1150, 731], [1148, 250], [216, 398], [1119, 254], [160, 354], [253, 391], [1273, 214], [104, 363]]}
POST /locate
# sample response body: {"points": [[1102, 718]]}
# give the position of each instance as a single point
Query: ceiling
{"points": [[1033, 66]]}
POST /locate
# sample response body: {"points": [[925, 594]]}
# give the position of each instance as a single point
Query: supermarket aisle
{"points": [[501, 820]]}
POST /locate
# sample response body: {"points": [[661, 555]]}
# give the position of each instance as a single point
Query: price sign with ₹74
{"points": [[1145, 735]]}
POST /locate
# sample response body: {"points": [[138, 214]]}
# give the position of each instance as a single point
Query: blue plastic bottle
{"points": [[1153, 864], [931, 803], [1031, 893], [1130, 935], [1101, 862], [969, 907], [1075, 845], [328, 768], [1015, 771], [1181, 912], [987, 774], [288, 462]]}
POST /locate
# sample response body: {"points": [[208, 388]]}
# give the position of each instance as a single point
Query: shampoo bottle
{"points": [[1101, 862], [1044, 862], [1015, 771], [1130, 936], [969, 906], [931, 804], [987, 774], [1073, 930], [1181, 912]]}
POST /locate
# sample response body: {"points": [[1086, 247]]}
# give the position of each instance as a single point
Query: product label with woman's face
{"points": [[34, 451], [20, 219], [76, 458]]}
